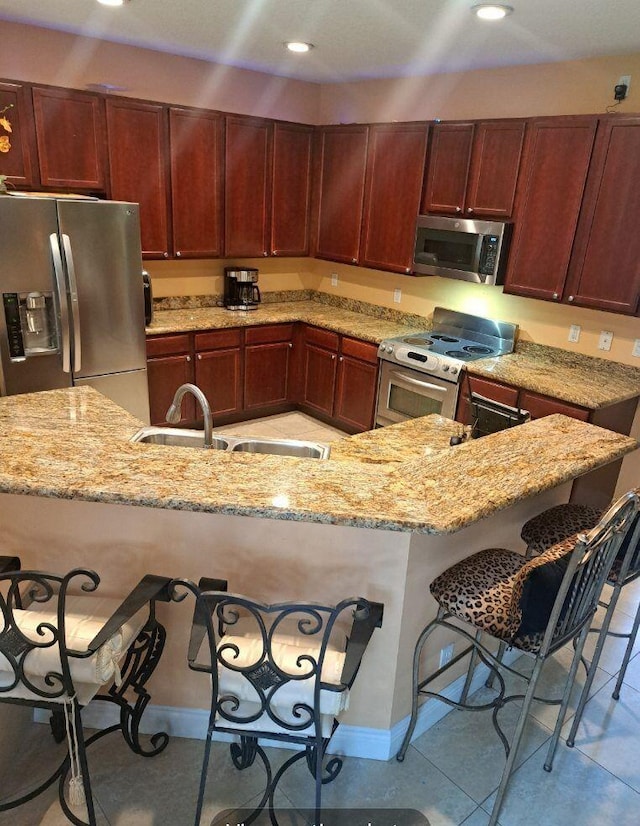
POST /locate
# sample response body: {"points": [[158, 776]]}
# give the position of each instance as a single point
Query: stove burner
{"points": [[477, 348], [448, 339], [418, 342], [458, 354]]}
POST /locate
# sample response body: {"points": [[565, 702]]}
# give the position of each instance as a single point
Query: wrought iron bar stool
{"points": [[60, 644], [563, 521], [278, 672], [536, 606]]}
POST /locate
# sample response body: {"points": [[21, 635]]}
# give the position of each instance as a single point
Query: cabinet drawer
{"points": [[322, 338], [360, 350], [540, 406], [502, 393], [218, 338], [166, 345], [268, 333]]}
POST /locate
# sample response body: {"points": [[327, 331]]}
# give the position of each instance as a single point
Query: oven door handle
{"points": [[427, 385]]}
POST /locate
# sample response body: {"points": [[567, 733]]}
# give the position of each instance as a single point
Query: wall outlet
{"points": [[636, 348], [574, 332], [446, 654], [397, 296], [334, 279], [604, 342]]}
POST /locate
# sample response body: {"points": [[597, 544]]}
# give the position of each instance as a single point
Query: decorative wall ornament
{"points": [[5, 123]]}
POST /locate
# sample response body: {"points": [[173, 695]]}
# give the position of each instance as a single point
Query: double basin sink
{"points": [[182, 437]]}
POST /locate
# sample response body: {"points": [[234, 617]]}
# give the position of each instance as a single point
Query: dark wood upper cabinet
{"points": [[138, 162], [495, 163], [196, 149], [247, 186], [70, 131], [290, 197], [395, 168], [342, 167], [448, 168], [605, 265], [18, 154], [554, 171]]}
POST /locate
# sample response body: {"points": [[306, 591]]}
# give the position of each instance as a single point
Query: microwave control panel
{"points": [[488, 254]]}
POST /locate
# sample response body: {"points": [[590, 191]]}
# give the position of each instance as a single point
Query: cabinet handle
{"points": [[188, 358], [555, 295], [165, 254], [570, 298]]}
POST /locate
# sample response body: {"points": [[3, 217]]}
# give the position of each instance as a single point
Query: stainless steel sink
{"points": [[282, 447], [177, 437], [183, 437]]}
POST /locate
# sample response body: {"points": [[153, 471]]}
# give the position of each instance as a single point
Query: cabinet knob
{"points": [[570, 298], [354, 260], [275, 252], [458, 209], [178, 254], [333, 358], [408, 270], [165, 254], [470, 210], [290, 345], [340, 359], [555, 295], [265, 253], [188, 358], [199, 356]]}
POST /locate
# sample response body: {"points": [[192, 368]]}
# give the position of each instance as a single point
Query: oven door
{"points": [[404, 394]]}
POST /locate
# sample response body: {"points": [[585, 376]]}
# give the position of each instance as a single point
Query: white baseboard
{"points": [[351, 741]]}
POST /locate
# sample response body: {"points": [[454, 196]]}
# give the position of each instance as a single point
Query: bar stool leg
{"points": [[502, 647], [203, 777], [473, 659], [627, 656]]}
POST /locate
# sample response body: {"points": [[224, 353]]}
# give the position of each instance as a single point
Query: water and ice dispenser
{"points": [[31, 324]]}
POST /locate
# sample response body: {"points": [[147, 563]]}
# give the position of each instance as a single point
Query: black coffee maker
{"points": [[241, 289]]}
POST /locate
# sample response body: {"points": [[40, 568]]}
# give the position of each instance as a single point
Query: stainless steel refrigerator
{"points": [[73, 301]]}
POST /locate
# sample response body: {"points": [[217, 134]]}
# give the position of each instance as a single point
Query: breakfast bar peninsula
{"points": [[389, 511]]}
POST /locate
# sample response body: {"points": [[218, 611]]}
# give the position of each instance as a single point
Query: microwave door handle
{"points": [[427, 385], [75, 307], [58, 273]]}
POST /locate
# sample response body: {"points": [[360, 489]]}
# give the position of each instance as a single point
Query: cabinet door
{"points": [[219, 376], [343, 155], [395, 170], [195, 140], [356, 393], [540, 406], [247, 186], [319, 378], [292, 146], [18, 157], [165, 374], [605, 264], [502, 393], [555, 165], [138, 152], [70, 132], [266, 374], [495, 162], [448, 168]]}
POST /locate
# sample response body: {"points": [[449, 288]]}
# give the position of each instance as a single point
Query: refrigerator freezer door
{"points": [[129, 390], [27, 267], [101, 241]]}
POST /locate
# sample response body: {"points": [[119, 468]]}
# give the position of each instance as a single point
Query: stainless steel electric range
{"points": [[421, 373]]}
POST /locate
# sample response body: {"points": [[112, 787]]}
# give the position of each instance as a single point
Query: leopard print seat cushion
{"points": [[485, 589], [556, 524]]}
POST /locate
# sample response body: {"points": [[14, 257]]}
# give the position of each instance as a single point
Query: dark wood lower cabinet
{"points": [[319, 379], [357, 385], [266, 374], [219, 375], [169, 364]]}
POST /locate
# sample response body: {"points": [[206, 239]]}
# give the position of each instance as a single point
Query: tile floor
{"points": [[450, 773]]}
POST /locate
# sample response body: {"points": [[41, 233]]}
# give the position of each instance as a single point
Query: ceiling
{"points": [[354, 39]]}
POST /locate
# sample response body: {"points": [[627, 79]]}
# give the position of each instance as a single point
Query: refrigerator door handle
{"points": [[58, 271], [75, 307]]}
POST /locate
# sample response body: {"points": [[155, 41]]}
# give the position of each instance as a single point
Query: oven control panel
{"points": [[421, 360]]}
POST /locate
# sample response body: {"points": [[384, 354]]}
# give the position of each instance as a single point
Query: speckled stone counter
{"points": [[571, 377], [74, 444]]}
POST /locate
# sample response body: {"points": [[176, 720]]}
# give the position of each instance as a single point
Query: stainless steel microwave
{"points": [[461, 248]]}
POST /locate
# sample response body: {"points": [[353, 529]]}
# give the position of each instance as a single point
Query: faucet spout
{"points": [[173, 413]]}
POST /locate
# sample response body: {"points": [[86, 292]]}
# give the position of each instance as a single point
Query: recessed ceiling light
{"points": [[298, 46], [491, 11], [112, 2]]}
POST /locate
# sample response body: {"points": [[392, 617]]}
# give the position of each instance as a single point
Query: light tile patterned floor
{"points": [[450, 772]]}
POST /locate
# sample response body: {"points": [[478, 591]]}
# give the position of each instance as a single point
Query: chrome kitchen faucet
{"points": [[173, 413]]}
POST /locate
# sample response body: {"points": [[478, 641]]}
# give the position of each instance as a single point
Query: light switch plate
{"points": [[334, 279], [574, 332], [397, 296], [604, 343], [636, 348]]}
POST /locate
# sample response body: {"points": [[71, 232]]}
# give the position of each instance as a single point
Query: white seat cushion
{"points": [[84, 618]]}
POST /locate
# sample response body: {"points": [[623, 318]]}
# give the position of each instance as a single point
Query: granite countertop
{"points": [[74, 444], [571, 377]]}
